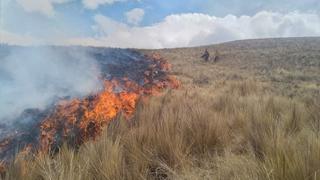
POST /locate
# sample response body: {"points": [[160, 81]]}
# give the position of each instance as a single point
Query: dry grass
{"points": [[239, 133], [228, 121]]}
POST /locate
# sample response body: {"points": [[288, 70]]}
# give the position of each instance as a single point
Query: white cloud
{"points": [[106, 26], [199, 29], [94, 4], [45, 7], [135, 16]]}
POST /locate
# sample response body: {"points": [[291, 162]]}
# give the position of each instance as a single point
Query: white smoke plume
{"points": [[36, 76]]}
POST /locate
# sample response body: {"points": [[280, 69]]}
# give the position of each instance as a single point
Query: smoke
{"points": [[35, 77]]}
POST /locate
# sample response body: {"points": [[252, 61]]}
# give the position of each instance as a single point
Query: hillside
{"points": [[290, 65], [253, 114]]}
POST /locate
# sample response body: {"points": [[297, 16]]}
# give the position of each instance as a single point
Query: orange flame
{"points": [[80, 120]]}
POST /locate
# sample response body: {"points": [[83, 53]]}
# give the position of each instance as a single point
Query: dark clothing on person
{"points": [[206, 55]]}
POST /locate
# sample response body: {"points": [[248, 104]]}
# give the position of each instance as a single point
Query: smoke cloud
{"points": [[35, 77]]}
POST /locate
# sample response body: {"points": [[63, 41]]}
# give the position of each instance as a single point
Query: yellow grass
{"points": [[239, 133], [230, 120]]}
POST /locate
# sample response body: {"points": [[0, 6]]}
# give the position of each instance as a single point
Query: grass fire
{"points": [[77, 120], [239, 110], [85, 119], [159, 89]]}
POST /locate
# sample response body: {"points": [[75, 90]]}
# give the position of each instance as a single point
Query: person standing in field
{"points": [[206, 55]]}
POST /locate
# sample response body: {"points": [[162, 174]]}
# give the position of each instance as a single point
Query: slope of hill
{"points": [[290, 65], [253, 114]]}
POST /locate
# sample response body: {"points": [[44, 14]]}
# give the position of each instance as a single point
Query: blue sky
{"points": [[89, 20]]}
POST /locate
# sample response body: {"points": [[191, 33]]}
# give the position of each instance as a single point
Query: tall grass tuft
{"points": [[241, 132]]}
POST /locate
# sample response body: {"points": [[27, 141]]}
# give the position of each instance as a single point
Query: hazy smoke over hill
{"points": [[34, 77]]}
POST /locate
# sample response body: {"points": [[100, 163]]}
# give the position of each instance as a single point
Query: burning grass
{"points": [[229, 120], [81, 120], [76, 121], [188, 134]]}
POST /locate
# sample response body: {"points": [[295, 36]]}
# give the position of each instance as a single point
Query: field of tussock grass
{"points": [[239, 133], [225, 122]]}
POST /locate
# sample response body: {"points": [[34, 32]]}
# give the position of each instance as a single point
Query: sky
{"points": [[154, 23]]}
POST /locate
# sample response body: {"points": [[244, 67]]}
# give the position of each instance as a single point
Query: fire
{"points": [[82, 120], [85, 119], [76, 121]]}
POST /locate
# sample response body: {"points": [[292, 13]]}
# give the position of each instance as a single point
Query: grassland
{"points": [[254, 114]]}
